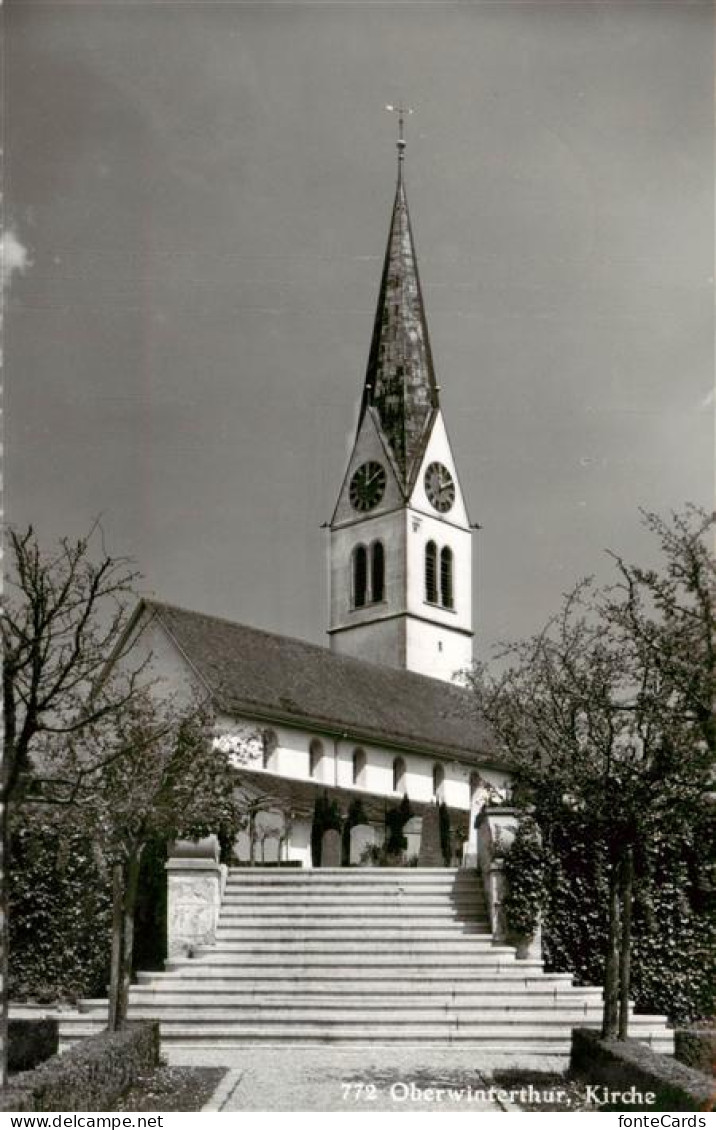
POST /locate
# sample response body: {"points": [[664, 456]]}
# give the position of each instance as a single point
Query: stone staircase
{"points": [[361, 956]]}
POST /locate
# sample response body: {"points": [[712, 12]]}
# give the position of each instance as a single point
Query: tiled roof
{"points": [[400, 379], [260, 675]]}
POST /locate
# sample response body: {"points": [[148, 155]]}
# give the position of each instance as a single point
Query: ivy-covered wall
{"points": [[674, 925], [60, 917]]}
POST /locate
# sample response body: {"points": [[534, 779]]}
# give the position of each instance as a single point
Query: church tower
{"points": [[400, 536]]}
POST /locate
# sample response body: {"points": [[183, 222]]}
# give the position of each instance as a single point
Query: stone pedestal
{"points": [[496, 828], [195, 885]]}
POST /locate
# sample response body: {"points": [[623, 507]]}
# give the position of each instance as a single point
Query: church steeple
{"points": [[400, 537], [400, 378]]}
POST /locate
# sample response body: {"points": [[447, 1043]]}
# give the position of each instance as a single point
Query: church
{"points": [[378, 715], [320, 945]]}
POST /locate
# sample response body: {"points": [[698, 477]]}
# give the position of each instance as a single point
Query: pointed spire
{"points": [[400, 380]]}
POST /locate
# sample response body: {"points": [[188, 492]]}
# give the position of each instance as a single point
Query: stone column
{"points": [[195, 886]]}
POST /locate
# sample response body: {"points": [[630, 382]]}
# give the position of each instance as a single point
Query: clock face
{"points": [[439, 487], [367, 486]]}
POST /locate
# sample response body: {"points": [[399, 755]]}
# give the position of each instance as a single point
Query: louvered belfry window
{"points": [[431, 579], [360, 576], [446, 588], [377, 565]]}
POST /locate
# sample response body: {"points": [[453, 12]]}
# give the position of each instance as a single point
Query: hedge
{"points": [[697, 1048], [91, 1075], [674, 912], [31, 1041], [619, 1065]]}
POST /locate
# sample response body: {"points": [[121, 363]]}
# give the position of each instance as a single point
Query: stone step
{"points": [[405, 948], [343, 908], [372, 876], [226, 972], [374, 1032], [437, 934], [362, 1015], [325, 996], [403, 903], [465, 958]]}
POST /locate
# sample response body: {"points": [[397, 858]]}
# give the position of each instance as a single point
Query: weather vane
{"points": [[401, 111]]}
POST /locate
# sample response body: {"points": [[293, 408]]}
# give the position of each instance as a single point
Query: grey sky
{"points": [[205, 190]]}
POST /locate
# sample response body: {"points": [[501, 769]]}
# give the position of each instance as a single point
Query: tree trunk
{"points": [[125, 882], [115, 968], [130, 904], [611, 971], [627, 888]]}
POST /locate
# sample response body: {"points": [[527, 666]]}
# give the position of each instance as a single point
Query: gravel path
{"points": [[345, 1079]]}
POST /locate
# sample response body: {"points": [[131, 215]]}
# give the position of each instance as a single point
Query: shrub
{"points": [[619, 1065], [395, 820], [673, 925], [445, 834], [91, 1075], [525, 875], [326, 815], [150, 919], [356, 815], [31, 1040], [61, 916]]}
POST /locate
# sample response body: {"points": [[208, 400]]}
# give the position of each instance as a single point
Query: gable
{"points": [[368, 447], [438, 450]]}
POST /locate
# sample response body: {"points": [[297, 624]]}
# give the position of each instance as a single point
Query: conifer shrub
{"points": [[445, 833], [326, 816]]}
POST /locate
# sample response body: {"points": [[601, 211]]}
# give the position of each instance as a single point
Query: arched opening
{"points": [[315, 756], [431, 573], [446, 588], [359, 767], [360, 576], [399, 775], [377, 578], [269, 741], [438, 781]]}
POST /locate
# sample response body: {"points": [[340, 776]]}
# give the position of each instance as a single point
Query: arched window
{"points": [[398, 775], [359, 767], [431, 573], [377, 571], [360, 576], [269, 742], [438, 781], [315, 754], [446, 593]]}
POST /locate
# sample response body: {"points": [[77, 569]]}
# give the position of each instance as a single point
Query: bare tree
{"points": [[609, 711], [151, 770], [64, 615]]}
